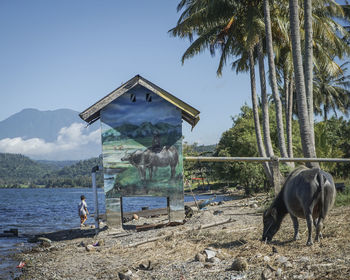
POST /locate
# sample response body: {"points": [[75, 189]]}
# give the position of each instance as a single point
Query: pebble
{"points": [[214, 260], [200, 258], [266, 259], [239, 264], [266, 274], [282, 259], [209, 253], [90, 248], [135, 217]]}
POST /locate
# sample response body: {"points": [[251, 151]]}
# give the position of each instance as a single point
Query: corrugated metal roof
{"points": [[92, 114]]}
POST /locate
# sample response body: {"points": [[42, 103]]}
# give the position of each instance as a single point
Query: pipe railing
{"points": [[263, 159]]}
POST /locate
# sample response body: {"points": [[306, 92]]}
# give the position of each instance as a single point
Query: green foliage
{"points": [[20, 171], [240, 141], [343, 198]]}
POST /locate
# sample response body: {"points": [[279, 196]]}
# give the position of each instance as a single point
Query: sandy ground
{"points": [[179, 252]]}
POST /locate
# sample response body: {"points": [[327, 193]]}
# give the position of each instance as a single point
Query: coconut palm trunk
{"points": [[261, 148], [273, 80], [304, 123], [264, 102], [288, 84], [309, 64]]}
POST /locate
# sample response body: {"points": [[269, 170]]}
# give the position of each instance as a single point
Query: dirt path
{"points": [[173, 255]]}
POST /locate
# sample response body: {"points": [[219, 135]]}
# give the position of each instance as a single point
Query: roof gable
{"points": [[92, 114]]}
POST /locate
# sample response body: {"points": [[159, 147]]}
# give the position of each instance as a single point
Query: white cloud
{"points": [[73, 142]]}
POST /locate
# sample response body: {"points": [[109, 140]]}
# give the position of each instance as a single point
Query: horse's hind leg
{"points": [[296, 227]]}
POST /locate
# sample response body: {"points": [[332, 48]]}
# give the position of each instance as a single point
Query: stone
{"points": [[279, 272], [214, 260], [239, 264], [90, 248], [209, 253], [200, 258], [282, 259], [266, 259], [254, 205], [266, 274], [135, 217]]}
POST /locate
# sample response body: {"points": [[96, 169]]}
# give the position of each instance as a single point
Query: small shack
{"points": [[141, 133]]}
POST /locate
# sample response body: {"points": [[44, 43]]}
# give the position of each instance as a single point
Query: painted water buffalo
{"points": [[308, 194], [137, 159], [148, 159], [168, 156]]}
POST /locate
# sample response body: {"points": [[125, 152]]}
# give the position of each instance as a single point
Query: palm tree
{"points": [[234, 32], [308, 146], [273, 79], [332, 90]]}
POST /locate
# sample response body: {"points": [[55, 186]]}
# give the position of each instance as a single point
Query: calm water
{"points": [[34, 211]]}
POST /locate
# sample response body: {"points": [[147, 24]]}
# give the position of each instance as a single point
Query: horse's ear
{"points": [[274, 213]]}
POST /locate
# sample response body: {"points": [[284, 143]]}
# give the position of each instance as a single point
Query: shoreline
{"points": [[179, 252]]}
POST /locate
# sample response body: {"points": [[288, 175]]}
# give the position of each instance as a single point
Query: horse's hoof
{"points": [[309, 243]]}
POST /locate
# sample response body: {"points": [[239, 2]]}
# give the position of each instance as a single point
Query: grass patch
{"points": [[343, 198]]}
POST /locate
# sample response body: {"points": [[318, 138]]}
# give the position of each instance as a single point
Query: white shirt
{"points": [[82, 208]]}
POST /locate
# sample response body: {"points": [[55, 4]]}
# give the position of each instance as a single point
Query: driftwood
{"points": [[148, 240], [215, 224], [166, 236]]}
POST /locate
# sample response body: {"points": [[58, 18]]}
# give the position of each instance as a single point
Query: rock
{"points": [[135, 217], [209, 253], [214, 260], [90, 248], [221, 202], [266, 274], [217, 212], [200, 258], [254, 205], [282, 259], [266, 259], [279, 272], [304, 259], [288, 264], [188, 211], [45, 241], [239, 264]]}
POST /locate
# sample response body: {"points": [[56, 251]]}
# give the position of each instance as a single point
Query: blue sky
{"points": [[69, 54]]}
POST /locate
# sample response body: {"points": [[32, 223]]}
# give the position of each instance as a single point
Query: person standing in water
{"points": [[82, 210]]}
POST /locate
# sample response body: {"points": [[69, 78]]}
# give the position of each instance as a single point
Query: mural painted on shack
{"points": [[142, 148]]}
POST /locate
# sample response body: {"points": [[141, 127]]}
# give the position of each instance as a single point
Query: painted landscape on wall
{"points": [[142, 146]]}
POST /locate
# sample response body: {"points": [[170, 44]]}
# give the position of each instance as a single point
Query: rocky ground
{"points": [[231, 250]]}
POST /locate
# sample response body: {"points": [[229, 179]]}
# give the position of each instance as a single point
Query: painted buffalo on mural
{"points": [[148, 159], [308, 194]]}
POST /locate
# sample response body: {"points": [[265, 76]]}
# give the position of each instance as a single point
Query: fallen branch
{"points": [[148, 241], [215, 224]]}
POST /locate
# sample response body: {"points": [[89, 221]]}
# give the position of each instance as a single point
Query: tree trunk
{"points": [[259, 141], [289, 115], [304, 123], [308, 60], [264, 102], [273, 80]]}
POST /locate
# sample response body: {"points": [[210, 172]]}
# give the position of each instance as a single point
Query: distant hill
{"points": [[32, 123], [18, 170]]}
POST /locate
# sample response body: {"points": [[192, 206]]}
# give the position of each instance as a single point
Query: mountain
{"points": [[17, 170], [32, 123], [50, 135]]}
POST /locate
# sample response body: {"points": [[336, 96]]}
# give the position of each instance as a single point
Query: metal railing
{"points": [[274, 163]]}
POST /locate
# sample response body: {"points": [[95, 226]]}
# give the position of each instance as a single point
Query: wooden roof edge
{"points": [[87, 115], [170, 98], [92, 114]]}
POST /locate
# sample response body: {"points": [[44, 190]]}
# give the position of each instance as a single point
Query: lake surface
{"points": [[34, 211]]}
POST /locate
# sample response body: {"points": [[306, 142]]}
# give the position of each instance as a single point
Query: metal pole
{"points": [[94, 191]]}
